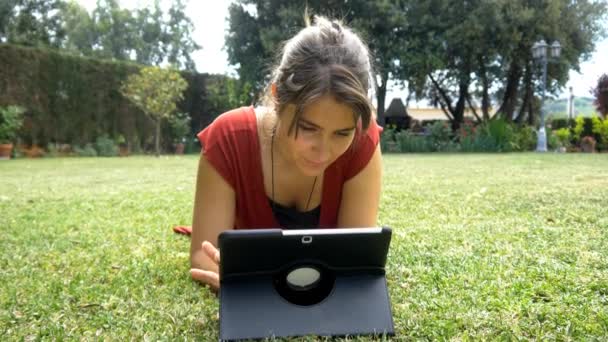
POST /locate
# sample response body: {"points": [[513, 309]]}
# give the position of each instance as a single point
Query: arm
{"points": [[214, 212], [361, 195]]}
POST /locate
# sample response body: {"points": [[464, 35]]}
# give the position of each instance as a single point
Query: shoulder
{"points": [[372, 134], [227, 142], [228, 124], [366, 140], [236, 119]]}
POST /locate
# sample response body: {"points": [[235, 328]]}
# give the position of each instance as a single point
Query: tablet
{"points": [[325, 282], [270, 250]]}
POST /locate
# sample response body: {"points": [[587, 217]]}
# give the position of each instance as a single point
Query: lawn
{"points": [[485, 246]]}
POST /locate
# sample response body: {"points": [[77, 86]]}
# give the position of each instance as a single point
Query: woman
{"points": [[310, 158]]}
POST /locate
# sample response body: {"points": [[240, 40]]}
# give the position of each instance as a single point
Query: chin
{"points": [[314, 173], [312, 170]]}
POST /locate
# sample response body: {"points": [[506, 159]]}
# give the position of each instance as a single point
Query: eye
{"points": [[344, 133], [307, 128]]}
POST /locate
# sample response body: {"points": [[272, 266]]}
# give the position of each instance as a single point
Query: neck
{"points": [[272, 141]]}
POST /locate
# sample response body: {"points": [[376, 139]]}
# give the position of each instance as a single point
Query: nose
{"points": [[321, 149]]}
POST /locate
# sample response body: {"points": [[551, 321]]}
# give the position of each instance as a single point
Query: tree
{"points": [[145, 35], [155, 91], [31, 22], [115, 30], [382, 23], [442, 39], [244, 47], [80, 33], [7, 10], [601, 95], [179, 44], [227, 93], [575, 24], [467, 49], [149, 46]]}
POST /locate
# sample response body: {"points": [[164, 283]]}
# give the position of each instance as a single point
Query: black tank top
{"points": [[290, 218]]}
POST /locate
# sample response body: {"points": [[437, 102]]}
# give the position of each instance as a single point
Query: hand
{"points": [[210, 278]]}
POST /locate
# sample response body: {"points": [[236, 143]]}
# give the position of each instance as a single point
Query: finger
{"points": [[206, 277], [211, 251]]}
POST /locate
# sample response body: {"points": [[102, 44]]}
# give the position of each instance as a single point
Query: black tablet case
{"points": [[254, 260]]}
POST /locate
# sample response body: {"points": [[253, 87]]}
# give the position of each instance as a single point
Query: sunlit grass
{"points": [[484, 247]]}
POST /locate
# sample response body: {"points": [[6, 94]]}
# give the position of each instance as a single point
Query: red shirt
{"points": [[231, 145]]}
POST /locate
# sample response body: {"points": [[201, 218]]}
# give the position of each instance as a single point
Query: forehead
{"points": [[328, 113]]}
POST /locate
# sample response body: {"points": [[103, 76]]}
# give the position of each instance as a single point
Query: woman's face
{"points": [[325, 131]]}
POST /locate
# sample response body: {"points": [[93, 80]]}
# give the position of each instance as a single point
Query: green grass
{"points": [[492, 247]]}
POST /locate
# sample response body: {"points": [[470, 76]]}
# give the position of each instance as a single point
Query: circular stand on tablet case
{"points": [[305, 284]]}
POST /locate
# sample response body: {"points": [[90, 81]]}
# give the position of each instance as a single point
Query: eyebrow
{"points": [[317, 126]]}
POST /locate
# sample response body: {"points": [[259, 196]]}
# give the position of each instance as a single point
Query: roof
{"points": [[395, 109], [427, 114]]}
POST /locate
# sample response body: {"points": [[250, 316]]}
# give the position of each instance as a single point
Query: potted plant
{"points": [[588, 144], [180, 128], [11, 119], [123, 147], [563, 135]]}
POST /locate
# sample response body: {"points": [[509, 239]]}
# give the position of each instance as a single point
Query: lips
{"points": [[315, 164]]}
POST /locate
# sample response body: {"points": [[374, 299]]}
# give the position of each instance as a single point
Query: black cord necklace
{"points": [[272, 173]]}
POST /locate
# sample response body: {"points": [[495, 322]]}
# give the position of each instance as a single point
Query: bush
{"points": [[58, 150], [440, 135], [192, 146], [600, 129], [583, 126], [579, 128], [106, 147], [413, 143], [552, 140], [478, 143], [11, 119], [180, 127], [526, 138], [494, 136], [470, 138], [563, 136], [388, 140], [502, 134], [52, 150], [86, 151]]}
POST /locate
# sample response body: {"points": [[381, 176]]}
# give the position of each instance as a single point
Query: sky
{"points": [[209, 19]]}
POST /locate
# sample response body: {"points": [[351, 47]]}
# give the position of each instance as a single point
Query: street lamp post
{"points": [[539, 52]]}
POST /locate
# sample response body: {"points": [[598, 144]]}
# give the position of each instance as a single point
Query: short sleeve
{"points": [[362, 150], [219, 147]]}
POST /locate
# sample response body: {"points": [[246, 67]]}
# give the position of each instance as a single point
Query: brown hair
{"points": [[324, 58]]}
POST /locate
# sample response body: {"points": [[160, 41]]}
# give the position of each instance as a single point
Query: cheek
{"points": [[341, 145], [302, 144]]}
